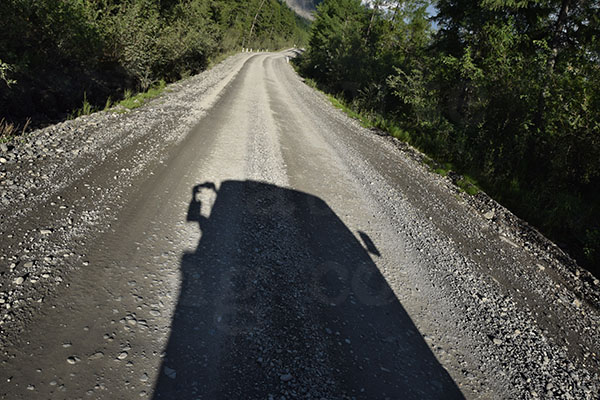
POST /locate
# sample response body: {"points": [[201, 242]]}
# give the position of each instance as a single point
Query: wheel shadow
{"points": [[280, 298]]}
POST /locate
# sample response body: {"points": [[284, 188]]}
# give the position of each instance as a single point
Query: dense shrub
{"points": [[52, 52], [506, 91]]}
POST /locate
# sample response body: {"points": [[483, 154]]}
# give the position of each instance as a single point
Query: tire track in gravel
{"points": [[240, 238], [460, 269]]}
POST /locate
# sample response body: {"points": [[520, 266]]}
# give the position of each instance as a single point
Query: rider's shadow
{"points": [[194, 213], [281, 297]]}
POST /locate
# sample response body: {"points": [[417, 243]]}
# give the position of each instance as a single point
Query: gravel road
{"points": [[238, 237]]}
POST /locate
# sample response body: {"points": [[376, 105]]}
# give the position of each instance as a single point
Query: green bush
{"points": [[54, 50], [500, 89]]}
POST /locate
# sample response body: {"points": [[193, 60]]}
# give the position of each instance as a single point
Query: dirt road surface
{"points": [[239, 237]]}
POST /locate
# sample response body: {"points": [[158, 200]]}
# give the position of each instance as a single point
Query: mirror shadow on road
{"points": [[281, 298]]}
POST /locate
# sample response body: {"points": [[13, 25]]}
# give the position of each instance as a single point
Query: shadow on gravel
{"points": [[280, 298]]}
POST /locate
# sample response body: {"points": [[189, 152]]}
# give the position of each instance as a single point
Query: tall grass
{"points": [[86, 109], [131, 101], [9, 130]]}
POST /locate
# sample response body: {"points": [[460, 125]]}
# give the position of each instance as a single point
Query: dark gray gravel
{"points": [[238, 237]]}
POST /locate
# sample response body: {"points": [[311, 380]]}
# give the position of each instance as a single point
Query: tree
{"points": [[508, 90]]}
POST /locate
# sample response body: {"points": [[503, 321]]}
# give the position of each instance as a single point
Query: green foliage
{"points": [[108, 104], [41, 31], [468, 185], [86, 108], [54, 50], [336, 50], [339, 102], [5, 69], [508, 90], [137, 34], [130, 102], [592, 243], [8, 130]]}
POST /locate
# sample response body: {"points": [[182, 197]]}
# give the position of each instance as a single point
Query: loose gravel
{"points": [[101, 269]]}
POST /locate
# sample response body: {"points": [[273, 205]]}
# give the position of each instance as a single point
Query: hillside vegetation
{"points": [[57, 55], [505, 91]]}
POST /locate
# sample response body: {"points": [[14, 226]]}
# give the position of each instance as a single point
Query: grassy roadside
{"points": [[132, 101], [465, 182], [9, 131], [565, 221], [129, 101]]}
